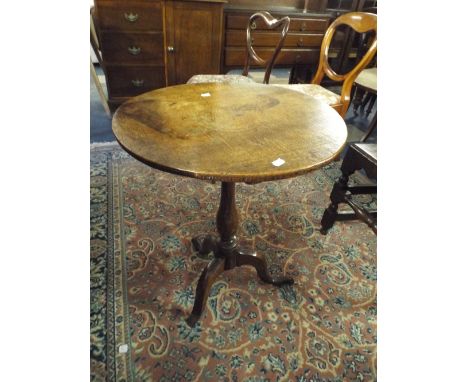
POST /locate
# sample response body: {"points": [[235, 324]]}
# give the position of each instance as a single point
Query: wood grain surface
{"points": [[230, 132]]}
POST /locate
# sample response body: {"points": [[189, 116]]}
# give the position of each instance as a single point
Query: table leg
{"points": [[204, 244], [258, 261], [226, 251], [207, 278]]}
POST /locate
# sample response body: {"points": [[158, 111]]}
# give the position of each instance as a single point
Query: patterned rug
{"points": [[144, 273]]}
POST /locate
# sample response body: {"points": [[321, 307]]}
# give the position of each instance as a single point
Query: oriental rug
{"points": [[144, 273]]}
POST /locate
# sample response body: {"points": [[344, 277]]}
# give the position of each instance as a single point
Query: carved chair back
{"points": [[95, 45], [94, 37], [251, 55], [361, 22]]}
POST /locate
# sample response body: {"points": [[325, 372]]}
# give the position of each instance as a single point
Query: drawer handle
{"points": [[138, 83], [303, 26], [253, 25], [170, 49], [300, 42], [134, 50], [132, 17]]}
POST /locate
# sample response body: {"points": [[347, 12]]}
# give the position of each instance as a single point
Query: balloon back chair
{"points": [[266, 21], [361, 22]]}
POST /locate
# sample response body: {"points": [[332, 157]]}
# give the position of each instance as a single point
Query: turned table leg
{"points": [[226, 251]]}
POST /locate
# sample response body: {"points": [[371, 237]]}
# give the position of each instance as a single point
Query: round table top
{"points": [[230, 132]]}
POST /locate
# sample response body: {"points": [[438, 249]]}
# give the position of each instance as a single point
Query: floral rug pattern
{"points": [[144, 273]]}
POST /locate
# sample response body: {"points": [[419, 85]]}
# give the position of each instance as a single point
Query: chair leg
{"points": [[371, 105], [102, 96], [328, 218], [357, 99], [337, 196], [370, 129], [292, 75]]}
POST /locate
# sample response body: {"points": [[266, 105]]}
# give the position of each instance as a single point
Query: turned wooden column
{"points": [[227, 221]]}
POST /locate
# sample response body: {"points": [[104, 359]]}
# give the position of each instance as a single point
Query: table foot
{"points": [[225, 260], [206, 280], [259, 263]]}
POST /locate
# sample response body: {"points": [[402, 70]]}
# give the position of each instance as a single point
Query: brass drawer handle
{"points": [[300, 42], [303, 26], [132, 17], [138, 83], [134, 50], [170, 49]]}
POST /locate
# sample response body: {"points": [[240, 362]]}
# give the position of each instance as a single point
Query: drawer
{"points": [[308, 25], [236, 56], [130, 15], [133, 48], [128, 81], [297, 24], [270, 39]]}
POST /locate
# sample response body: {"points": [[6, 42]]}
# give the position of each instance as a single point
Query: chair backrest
{"points": [[251, 55], [96, 49], [361, 22], [94, 38]]}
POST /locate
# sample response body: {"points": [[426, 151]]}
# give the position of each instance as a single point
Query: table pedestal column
{"points": [[227, 253]]}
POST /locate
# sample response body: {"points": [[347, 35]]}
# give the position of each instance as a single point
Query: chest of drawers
{"points": [[149, 44], [132, 45], [302, 44]]}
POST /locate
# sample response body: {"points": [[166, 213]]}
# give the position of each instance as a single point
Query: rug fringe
{"points": [[95, 145]]}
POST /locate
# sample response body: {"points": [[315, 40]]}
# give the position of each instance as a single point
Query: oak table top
{"points": [[231, 133]]}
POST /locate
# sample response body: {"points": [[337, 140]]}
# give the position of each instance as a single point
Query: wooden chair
{"points": [[97, 52], [365, 93], [251, 55], [361, 22], [359, 156]]}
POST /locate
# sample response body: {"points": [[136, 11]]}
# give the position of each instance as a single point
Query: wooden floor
{"points": [[100, 123]]}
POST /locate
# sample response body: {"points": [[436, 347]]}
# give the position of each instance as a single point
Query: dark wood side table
{"points": [[229, 133]]}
